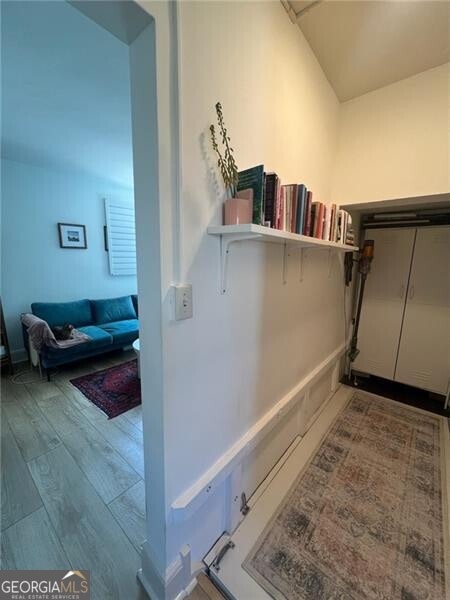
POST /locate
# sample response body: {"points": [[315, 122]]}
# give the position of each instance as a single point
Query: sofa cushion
{"points": [[99, 339], [113, 309], [123, 332], [134, 298], [77, 313]]}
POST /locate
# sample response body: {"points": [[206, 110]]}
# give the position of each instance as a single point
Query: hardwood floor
{"points": [[19, 494], [205, 590], [73, 493], [72, 483]]}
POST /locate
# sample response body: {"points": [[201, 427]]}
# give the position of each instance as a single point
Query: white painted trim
{"points": [[178, 580], [383, 205], [191, 499], [262, 233], [18, 356], [177, 99], [232, 579], [187, 590], [273, 472]]}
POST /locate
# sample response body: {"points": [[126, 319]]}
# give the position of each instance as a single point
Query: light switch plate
{"points": [[183, 301]]}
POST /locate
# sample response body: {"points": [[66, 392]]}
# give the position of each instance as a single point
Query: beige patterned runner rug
{"points": [[365, 518]]}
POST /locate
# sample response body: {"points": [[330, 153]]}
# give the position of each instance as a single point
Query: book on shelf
{"points": [[315, 218], [345, 230], [326, 222], [270, 191], [290, 207], [282, 218], [294, 208], [340, 224], [333, 223], [349, 234], [287, 207], [301, 209], [277, 203], [253, 179], [308, 213], [320, 220]]}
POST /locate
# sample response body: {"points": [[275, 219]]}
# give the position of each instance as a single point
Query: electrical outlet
{"points": [[183, 301]]}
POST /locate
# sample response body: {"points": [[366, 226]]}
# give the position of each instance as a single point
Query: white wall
{"points": [[243, 351], [291, 126], [70, 106], [394, 142], [34, 267]]}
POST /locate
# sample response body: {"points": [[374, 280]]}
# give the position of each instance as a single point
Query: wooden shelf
{"points": [[251, 231], [228, 234]]}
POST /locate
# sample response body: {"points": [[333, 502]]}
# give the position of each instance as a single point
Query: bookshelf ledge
{"points": [[251, 231], [247, 232]]}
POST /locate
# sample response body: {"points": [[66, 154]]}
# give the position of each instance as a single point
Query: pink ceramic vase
{"points": [[238, 211]]}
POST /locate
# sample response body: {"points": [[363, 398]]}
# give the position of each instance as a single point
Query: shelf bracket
{"points": [[225, 243], [302, 267], [285, 261], [330, 262]]}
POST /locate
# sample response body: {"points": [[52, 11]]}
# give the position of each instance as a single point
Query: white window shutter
{"points": [[121, 232]]}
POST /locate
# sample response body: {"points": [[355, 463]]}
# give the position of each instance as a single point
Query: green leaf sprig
{"points": [[225, 162]]}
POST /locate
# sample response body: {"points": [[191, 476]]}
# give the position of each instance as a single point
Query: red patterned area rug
{"points": [[114, 390], [365, 518]]}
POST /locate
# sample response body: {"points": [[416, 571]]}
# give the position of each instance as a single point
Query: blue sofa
{"points": [[110, 323]]}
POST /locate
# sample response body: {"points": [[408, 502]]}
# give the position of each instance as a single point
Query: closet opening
{"points": [[404, 352]]}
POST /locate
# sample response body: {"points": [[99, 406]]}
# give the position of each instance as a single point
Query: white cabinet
{"points": [[424, 351], [384, 301], [405, 321]]}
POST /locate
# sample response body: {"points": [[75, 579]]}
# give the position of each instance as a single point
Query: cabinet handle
{"points": [[411, 292], [402, 291]]}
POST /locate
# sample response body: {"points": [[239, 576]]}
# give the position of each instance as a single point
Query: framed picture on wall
{"points": [[72, 236]]}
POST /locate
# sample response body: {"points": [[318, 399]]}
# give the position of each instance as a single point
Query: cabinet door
{"points": [[424, 353], [384, 301]]}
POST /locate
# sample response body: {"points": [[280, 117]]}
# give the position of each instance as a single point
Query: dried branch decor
{"points": [[225, 162]]}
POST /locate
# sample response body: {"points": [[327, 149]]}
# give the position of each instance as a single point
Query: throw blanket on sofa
{"points": [[41, 334]]}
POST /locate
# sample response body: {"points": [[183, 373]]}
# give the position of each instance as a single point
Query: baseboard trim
{"points": [[19, 356], [178, 576], [190, 500]]}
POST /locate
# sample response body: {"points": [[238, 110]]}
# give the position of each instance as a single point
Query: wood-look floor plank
{"points": [[33, 433], [209, 588], [43, 390], [72, 393], [108, 472], [104, 362], [90, 536], [129, 511], [127, 427], [10, 392], [19, 496], [125, 356], [32, 543], [6, 394], [134, 416], [120, 435], [198, 594], [73, 370]]}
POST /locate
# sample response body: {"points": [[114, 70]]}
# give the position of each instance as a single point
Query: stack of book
{"points": [[291, 208]]}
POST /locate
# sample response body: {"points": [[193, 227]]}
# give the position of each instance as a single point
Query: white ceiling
{"points": [[65, 91], [123, 18], [363, 45]]}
